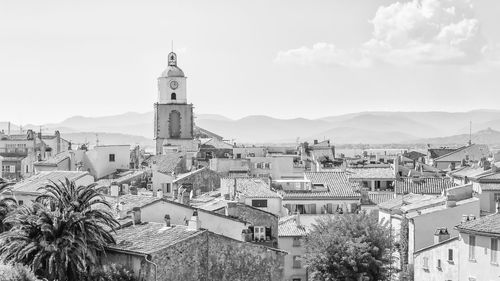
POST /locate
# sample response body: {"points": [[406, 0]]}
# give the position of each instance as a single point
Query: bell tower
{"points": [[173, 115]]}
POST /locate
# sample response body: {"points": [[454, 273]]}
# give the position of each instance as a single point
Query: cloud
{"points": [[415, 32]]}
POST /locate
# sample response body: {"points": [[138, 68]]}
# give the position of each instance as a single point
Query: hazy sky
{"points": [[280, 58]]}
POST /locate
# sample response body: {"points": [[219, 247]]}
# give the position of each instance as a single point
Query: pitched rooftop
{"points": [[359, 174], [422, 185], [147, 238], [165, 163], [336, 183], [33, 183], [249, 187], [487, 225]]}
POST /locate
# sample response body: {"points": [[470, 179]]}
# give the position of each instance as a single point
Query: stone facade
{"points": [[256, 217], [202, 181], [206, 256]]}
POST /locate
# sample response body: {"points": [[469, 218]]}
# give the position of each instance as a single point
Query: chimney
{"points": [[194, 223], [136, 215], [167, 220], [465, 218], [441, 235]]}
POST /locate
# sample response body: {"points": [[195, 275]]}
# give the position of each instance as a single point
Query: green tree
{"points": [[62, 234], [16, 272], [349, 247]]}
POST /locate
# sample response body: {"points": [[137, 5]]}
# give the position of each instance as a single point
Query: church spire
{"points": [[172, 59]]}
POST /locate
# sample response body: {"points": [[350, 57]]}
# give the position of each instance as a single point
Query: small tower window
{"points": [[173, 96]]}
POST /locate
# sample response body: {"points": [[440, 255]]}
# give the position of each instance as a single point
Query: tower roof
{"points": [[172, 70]]}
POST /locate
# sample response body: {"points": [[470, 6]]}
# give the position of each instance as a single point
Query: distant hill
{"points": [[107, 139], [488, 136], [363, 127]]}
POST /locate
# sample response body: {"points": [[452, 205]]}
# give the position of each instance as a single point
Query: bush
{"points": [[113, 272], [16, 272]]}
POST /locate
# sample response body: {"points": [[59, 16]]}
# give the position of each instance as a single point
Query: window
{"points": [[439, 264], [494, 250], [20, 202], [296, 241], [259, 165], [296, 279], [425, 263], [497, 197], [450, 254], [472, 247], [259, 233], [5, 169], [12, 169], [238, 155], [267, 166], [259, 203], [111, 158], [173, 96], [165, 187], [296, 262]]}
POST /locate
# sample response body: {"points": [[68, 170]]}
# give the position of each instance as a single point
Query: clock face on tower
{"points": [[174, 84]]}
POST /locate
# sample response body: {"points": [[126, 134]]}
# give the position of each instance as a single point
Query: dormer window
{"points": [[173, 96]]}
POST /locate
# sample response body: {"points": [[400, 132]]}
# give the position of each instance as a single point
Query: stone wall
{"points": [[209, 256], [254, 216], [203, 181]]}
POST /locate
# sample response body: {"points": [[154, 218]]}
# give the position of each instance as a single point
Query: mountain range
{"points": [[374, 127]]}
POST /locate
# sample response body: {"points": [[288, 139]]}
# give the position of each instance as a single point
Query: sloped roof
{"points": [[128, 202], [378, 197], [33, 183], [147, 238], [288, 227], [406, 199], [371, 173], [438, 152], [474, 151], [323, 152], [337, 184], [422, 185], [492, 177], [249, 187], [490, 186], [215, 143], [487, 225], [166, 163], [413, 155], [54, 160], [469, 172]]}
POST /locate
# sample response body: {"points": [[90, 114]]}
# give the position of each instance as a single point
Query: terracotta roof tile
{"points": [[288, 226], [422, 185], [372, 173], [337, 184], [486, 225], [148, 238], [249, 187]]}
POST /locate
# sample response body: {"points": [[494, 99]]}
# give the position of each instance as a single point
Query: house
{"points": [[27, 190], [426, 216], [101, 161], [327, 192], [487, 187], [187, 185], [254, 192], [291, 234], [473, 152], [439, 261], [228, 167], [274, 166], [165, 251], [214, 148], [20, 151], [292, 230], [478, 248], [379, 179], [241, 152], [433, 153], [164, 167]]}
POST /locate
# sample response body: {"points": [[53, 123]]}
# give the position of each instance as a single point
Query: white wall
{"points": [[289, 272], [481, 268], [273, 205], [449, 269], [422, 227], [97, 159]]}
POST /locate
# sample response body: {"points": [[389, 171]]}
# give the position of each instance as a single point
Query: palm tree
{"points": [[62, 234], [7, 205]]}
